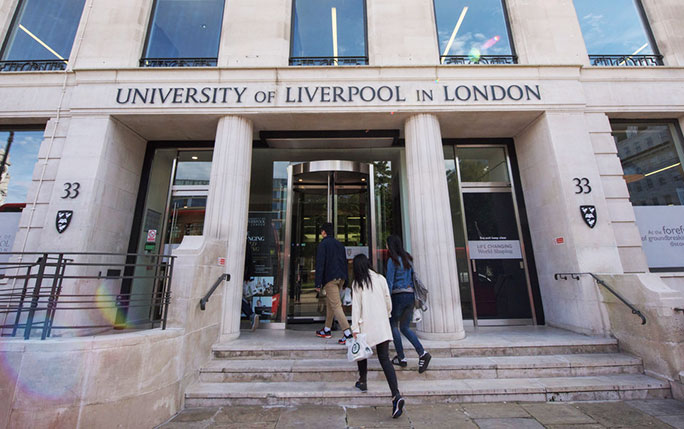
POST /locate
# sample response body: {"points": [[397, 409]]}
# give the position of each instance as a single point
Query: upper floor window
{"points": [[41, 35], [654, 173], [473, 32], [184, 33], [328, 33], [616, 33]]}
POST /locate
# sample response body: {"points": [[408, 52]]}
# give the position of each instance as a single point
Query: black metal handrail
{"points": [[178, 62], [205, 299], [626, 60], [328, 61], [35, 286], [482, 59], [32, 65], [576, 276]]}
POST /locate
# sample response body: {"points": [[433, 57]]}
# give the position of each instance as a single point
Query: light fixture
{"points": [[333, 13], [662, 169], [363, 179], [195, 158], [300, 180], [453, 34], [43, 44]]}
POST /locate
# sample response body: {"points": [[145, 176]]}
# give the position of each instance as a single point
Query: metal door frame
{"points": [[326, 166], [493, 187]]}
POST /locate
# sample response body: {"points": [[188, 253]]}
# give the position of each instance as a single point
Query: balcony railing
{"points": [[178, 62], [483, 59], [328, 61], [89, 292], [33, 65], [626, 60]]}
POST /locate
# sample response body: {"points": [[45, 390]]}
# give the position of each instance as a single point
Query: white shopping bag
{"points": [[417, 316], [345, 296], [358, 349]]}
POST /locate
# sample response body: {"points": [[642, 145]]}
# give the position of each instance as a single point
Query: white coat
{"points": [[371, 310]]}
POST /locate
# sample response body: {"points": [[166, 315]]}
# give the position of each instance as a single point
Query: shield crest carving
{"points": [[63, 220], [589, 215]]}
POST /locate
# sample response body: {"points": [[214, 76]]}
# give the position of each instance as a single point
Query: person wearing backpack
{"points": [[400, 282]]}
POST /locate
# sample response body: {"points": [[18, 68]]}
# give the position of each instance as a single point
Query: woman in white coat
{"points": [[371, 309]]}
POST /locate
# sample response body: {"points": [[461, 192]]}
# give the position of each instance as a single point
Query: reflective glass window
{"points": [[43, 30], [17, 172], [328, 32], [613, 27], [651, 156], [472, 31], [185, 29], [194, 168]]}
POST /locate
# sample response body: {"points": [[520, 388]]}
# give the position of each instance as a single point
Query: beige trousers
{"points": [[333, 304]]}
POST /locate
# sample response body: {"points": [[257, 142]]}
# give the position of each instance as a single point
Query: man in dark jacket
{"points": [[331, 274]]}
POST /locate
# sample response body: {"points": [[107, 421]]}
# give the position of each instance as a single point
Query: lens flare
{"points": [[474, 55], [491, 42]]}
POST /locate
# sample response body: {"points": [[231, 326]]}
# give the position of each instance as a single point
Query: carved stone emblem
{"points": [[589, 215], [63, 220]]}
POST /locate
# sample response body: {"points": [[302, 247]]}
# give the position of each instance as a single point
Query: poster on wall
{"points": [[261, 238], [9, 223], [494, 249], [662, 235]]}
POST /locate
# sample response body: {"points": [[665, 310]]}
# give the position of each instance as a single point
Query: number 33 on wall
{"points": [[582, 185], [71, 190]]}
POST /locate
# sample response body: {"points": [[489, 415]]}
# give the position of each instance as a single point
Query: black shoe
{"points": [[399, 362], [423, 362], [397, 406], [344, 339], [324, 334], [361, 385]]}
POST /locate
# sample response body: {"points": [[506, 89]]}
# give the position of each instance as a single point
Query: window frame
{"points": [[507, 23], [200, 62], [15, 17], [365, 36]]}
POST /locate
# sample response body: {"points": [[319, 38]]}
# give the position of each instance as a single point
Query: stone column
{"points": [[227, 205], [432, 238]]}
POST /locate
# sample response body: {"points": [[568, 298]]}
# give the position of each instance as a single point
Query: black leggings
{"points": [[387, 368]]}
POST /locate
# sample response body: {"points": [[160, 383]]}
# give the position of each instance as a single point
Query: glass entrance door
{"points": [[493, 270], [324, 191]]}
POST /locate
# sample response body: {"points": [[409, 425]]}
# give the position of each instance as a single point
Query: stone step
{"points": [[329, 349], [545, 389], [331, 370]]}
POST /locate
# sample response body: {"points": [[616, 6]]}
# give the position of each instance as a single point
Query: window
{"points": [[18, 156], [660, 207], [42, 35], [616, 33], [328, 33], [473, 32], [184, 33]]}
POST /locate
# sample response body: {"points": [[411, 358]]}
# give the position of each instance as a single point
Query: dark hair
{"points": [[396, 251], [362, 268], [328, 228]]}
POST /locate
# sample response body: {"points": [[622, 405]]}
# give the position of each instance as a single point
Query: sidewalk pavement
{"points": [[657, 413]]}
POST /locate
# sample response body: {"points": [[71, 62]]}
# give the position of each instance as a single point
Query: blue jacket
{"points": [[331, 261], [398, 277]]}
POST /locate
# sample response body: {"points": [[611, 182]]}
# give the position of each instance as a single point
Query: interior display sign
{"points": [[261, 238], [662, 235], [494, 249]]}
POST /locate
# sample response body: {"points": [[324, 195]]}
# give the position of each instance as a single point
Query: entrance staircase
{"points": [[524, 364]]}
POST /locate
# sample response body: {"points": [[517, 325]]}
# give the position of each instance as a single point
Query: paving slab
{"points": [[247, 414], [619, 414], [376, 417], [659, 407], [312, 417], [508, 424], [674, 421], [494, 410], [263, 425], [557, 414], [590, 426]]}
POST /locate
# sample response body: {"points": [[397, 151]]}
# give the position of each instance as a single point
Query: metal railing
{"points": [[626, 60], [217, 283], [328, 61], [576, 276], [482, 59], [178, 62], [85, 291], [32, 65]]}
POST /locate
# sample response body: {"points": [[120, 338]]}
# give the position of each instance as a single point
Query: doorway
{"points": [[340, 192]]}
